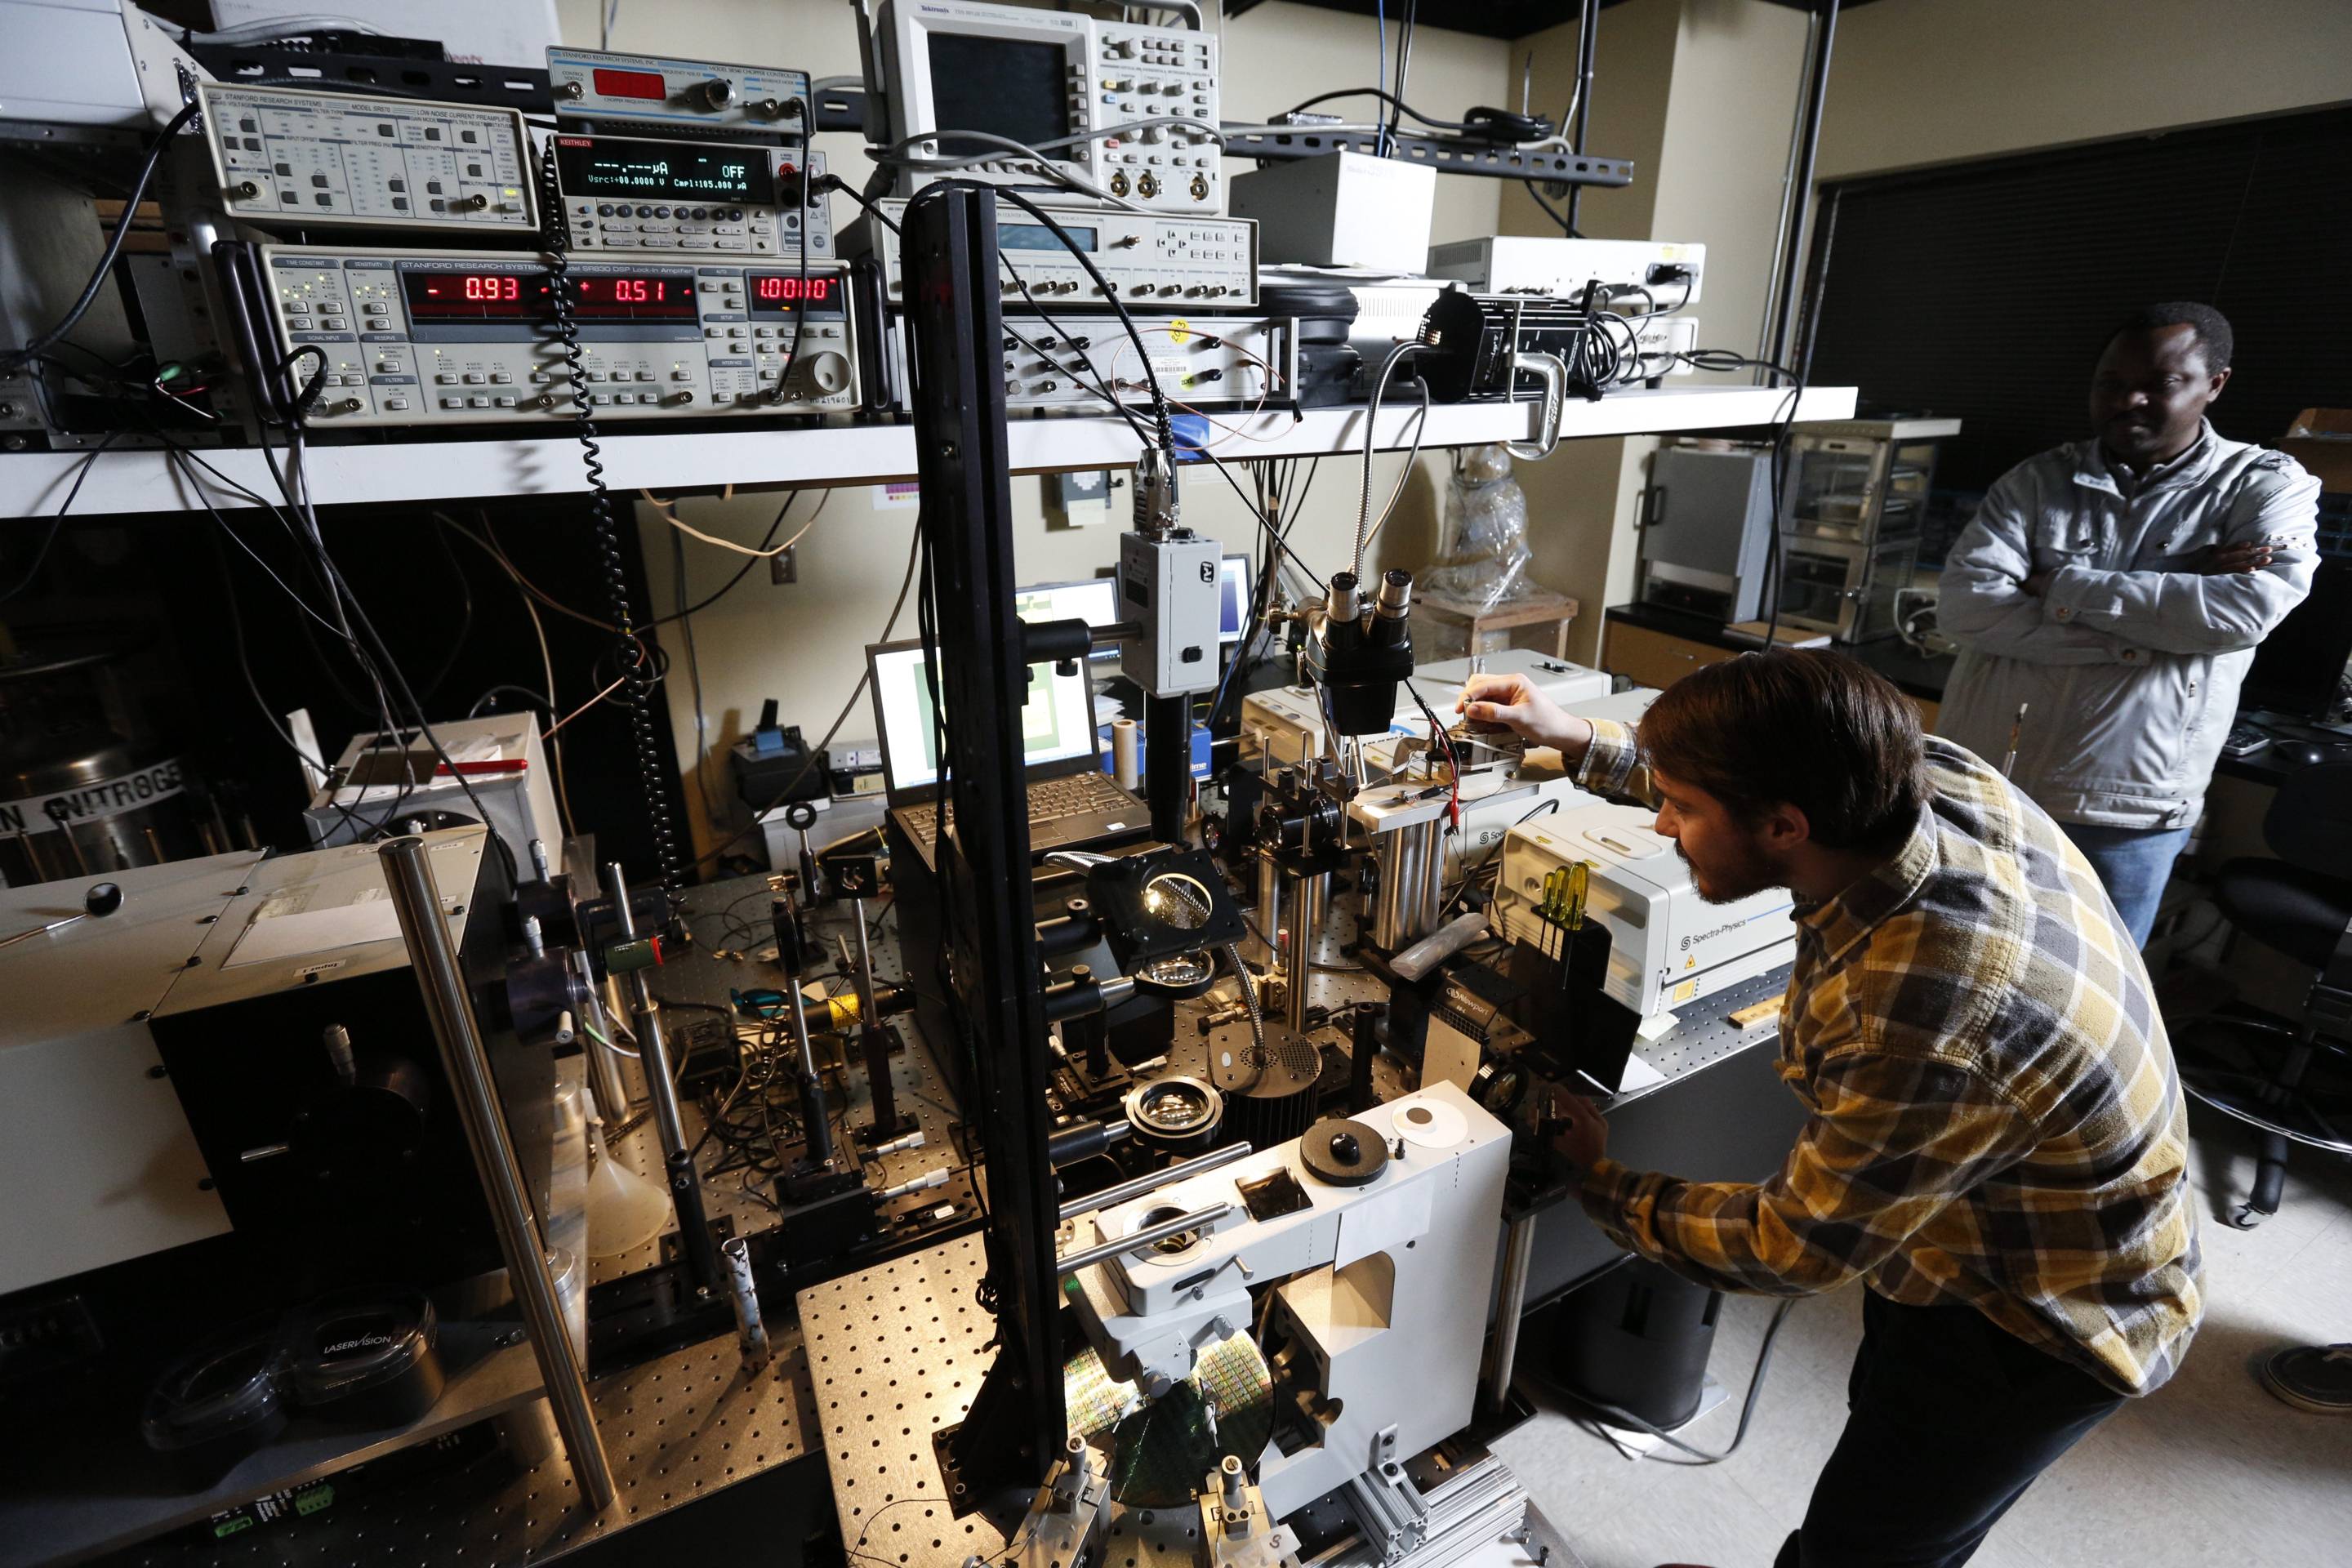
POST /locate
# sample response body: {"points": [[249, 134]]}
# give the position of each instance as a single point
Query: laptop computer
{"points": [[1071, 799]]}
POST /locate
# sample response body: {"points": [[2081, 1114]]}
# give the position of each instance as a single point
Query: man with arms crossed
{"points": [[2116, 587], [1997, 1141]]}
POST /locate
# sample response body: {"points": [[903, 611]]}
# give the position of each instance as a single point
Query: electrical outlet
{"points": [[1081, 499], [784, 566]]}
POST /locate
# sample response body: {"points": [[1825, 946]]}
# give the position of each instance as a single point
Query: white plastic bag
{"points": [[1483, 558]]}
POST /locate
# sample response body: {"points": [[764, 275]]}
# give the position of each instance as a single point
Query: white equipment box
{"points": [[1668, 946], [1347, 209], [319, 160], [93, 1142], [1169, 584], [512, 783], [1565, 683], [654, 92], [1530, 264], [1144, 256], [1285, 723]]}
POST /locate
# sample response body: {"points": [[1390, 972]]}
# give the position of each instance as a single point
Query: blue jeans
{"points": [[2134, 863]]}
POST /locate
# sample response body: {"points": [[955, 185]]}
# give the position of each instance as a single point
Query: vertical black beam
{"points": [[1817, 92], [1016, 1421], [1817, 278], [1587, 37], [1168, 765]]}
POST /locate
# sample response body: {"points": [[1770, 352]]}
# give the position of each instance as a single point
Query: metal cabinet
{"points": [[1856, 496]]}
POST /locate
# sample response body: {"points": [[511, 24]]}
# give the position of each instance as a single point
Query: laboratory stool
{"points": [[2301, 905]]}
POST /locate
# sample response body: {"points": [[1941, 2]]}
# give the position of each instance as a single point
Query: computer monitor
{"points": [[2298, 668], [1057, 726], [1234, 606], [1094, 600]]}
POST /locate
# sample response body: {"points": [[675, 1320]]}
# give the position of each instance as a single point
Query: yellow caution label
{"points": [[1686, 992]]}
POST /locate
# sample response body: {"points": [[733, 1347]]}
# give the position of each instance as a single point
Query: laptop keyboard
{"points": [[1074, 794], [1050, 800]]}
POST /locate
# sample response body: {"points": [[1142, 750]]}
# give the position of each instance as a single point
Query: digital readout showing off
{"points": [[786, 294], [627, 169]]}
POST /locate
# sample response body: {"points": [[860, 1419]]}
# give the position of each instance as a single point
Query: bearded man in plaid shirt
{"points": [[1997, 1143]]}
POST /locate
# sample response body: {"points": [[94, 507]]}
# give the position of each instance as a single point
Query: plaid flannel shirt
{"points": [[1996, 1117]]}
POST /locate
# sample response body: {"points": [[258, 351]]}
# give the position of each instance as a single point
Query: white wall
{"points": [[804, 644], [1927, 81], [1699, 94]]}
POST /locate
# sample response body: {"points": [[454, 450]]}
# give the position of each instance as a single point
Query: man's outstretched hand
{"points": [[1512, 703], [1582, 1136]]}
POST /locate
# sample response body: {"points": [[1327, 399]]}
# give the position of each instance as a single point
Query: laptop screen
{"points": [[1094, 601], [1233, 594], [1056, 726]]}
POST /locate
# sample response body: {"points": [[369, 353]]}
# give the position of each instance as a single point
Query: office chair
{"points": [[2301, 905]]}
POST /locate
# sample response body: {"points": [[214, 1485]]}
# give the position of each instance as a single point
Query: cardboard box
{"points": [[2321, 440]]}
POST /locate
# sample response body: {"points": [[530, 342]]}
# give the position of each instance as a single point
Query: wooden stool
{"points": [[1540, 609]]}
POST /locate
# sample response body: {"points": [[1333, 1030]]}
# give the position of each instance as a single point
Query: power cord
{"points": [[806, 106], [637, 664]]}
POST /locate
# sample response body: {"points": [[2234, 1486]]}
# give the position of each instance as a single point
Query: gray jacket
{"points": [[2131, 660]]}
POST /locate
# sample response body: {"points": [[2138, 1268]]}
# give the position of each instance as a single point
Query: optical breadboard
{"points": [[631, 193], [1142, 257], [654, 92], [1218, 361], [285, 155], [1036, 77], [458, 338]]}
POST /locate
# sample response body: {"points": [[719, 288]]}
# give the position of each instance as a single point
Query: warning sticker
{"points": [[94, 803]]}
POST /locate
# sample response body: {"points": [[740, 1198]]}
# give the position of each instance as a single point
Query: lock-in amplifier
{"points": [[458, 338]]}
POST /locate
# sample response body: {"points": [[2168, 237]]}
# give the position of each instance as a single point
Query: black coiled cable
{"points": [[636, 663]]}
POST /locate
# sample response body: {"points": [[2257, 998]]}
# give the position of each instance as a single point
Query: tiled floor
{"points": [[2210, 1469]]}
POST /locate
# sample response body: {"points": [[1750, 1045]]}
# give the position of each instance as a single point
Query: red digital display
{"points": [[646, 85], [474, 296], [636, 297], [649, 296], [792, 290], [783, 294]]}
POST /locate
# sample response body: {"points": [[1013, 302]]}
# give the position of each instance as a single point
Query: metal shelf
{"points": [[96, 1491], [33, 484]]}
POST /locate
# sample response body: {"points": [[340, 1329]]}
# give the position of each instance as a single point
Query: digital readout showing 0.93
{"points": [[523, 296], [784, 293]]}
